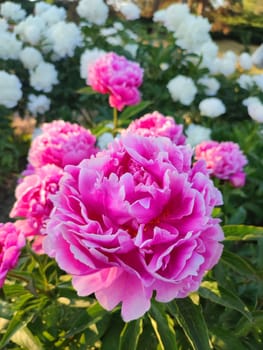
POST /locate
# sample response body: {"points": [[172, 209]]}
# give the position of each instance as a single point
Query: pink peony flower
{"points": [[156, 124], [134, 220], [33, 204], [11, 243], [120, 78], [61, 143], [225, 160]]}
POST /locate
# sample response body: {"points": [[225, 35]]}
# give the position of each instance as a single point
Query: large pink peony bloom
{"points": [[135, 219], [33, 204], [61, 143], [11, 243], [120, 78], [156, 124], [225, 160]]}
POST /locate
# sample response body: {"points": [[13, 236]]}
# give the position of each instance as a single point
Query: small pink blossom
{"points": [[33, 204], [120, 78], [61, 143], [134, 220], [11, 243], [224, 160], [156, 124]]}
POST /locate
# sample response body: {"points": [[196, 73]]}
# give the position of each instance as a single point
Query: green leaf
{"points": [[190, 318], [16, 323], [242, 232], [26, 339], [87, 91], [133, 110], [219, 295], [163, 328], [130, 335], [225, 340], [239, 264], [111, 338], [244, 326]]}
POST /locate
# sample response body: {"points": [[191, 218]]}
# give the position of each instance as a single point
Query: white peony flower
{"points": [[258, 79], [94, 11], [212, 107], [30, 57], [131, 34], [89, 56], [53, 14], [104, 140], [245, 81], [196, 134], [172, 16], [10, 89], [192, 33], [3, 25], [118, 26], [132, 49], [64, 38], [257, 57], [108, 31], [255, 111], [245, 61], [38, 104], [182, 89], [129, 10], [211, 85], [12, 11], [209, 52], [114, 40], [250, 100], [43, 77], [41, 7], [164, 66], [31, 29], [10, 47]]}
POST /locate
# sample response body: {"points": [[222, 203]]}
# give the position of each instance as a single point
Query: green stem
{"points": [[115, 120]]}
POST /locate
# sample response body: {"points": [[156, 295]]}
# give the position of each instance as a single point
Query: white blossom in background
{"points": [[258, 79], [87, 57], [64, 38], [132, 49], [41, 7], [43, 77], [245, 61], [53, 15], [94, 11], [31, 29], [164, 66], [209, 52], [195, 134], [30, 57], [192, 33], [104, 140], [38, 104], [223, 65], [114, 40], [12, 11], [129, 10], [182, 89], [212, 107], [3, 25], [172, 16], [118, 26], [255, 111], [211, 84], [10, 89], [108, 31], [10, 46], [257, 57], [245, 81], [131, 34], [250, 100]]}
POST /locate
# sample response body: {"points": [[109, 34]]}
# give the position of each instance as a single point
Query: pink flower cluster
{"points": [[61, 143], [11, 243], [120, 78], [224, 160], [156, 124], [139, 215]]}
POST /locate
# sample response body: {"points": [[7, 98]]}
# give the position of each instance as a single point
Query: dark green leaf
{"points": [[244, 326], [225, 340], [190, 318], [219, 295], [130, 335], [242, 232], [163, 328], [87, 91], [132, 111]]}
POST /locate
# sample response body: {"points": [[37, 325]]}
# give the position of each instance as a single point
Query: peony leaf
{"points": [[219, 295], [130, 335], [87, 91], [163, 328], [240, 265], [224, 340], [244, 326], [242, 232], [190, 318], [132, 111]]}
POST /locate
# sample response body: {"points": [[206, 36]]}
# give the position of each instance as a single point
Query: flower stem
{"points": [[115, 120]]}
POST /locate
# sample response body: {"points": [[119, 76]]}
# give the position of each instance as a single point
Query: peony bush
{"points": [[137, 217]]}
